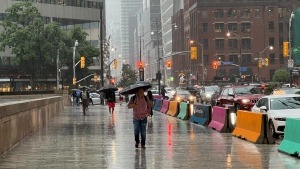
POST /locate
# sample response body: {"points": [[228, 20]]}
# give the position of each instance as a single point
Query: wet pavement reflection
{"points": [[101, 140]]}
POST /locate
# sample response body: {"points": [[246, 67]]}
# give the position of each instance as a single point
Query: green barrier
{"points": [[183, 112], [291, 142]]}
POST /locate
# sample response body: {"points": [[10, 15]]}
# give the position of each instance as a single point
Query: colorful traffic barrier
{"points": [[157, 104], [165, 106], [173, 109], [291, 141], [220, 119], [201, 114], [183, 111], [253, 127], [157, 97]]}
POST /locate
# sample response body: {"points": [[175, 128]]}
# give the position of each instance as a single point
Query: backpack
{"points": [[84, 95], [133, 98]]}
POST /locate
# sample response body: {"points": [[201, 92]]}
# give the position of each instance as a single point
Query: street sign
{"points": [[219, 63], [243, 69], [227, 63], [290, 63]]}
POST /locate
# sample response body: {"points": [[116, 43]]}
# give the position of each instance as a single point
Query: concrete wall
{"points": [[21, 118]]}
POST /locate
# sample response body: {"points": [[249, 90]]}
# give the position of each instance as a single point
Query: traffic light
{"points": [[112, 81], [259, 64], [169, 64], [266, 62], [285, 49], [140, 65], [193, 53], [215, 65], [74, 81], [95, 78], [82, 62], [115, 64]]}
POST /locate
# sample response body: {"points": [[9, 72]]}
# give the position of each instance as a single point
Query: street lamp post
{"points": [[240, 50], [74, 49], [192, 41], [290, 45], [259, 58]]}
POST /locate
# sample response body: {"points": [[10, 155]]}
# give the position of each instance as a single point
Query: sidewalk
{"points": [[99, 140]]}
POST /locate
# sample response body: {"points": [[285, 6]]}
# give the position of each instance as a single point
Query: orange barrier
{"points": [[252, 127], [173, 109]]}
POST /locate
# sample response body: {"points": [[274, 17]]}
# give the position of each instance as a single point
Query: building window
{"points": [[246, 43], [271, 26], [206, 59], [272, 58], [245, 27], [246, 59], [270, 11], [280, 13], [232, 27], [232, 13], [257, 12], [205, 44], [219, 27], [280, 26], [245, 13], [204, 13], [271, 41], [219, 13], [232, 44], [204, 27], [233, 58], [219, 44], [281, 59]]}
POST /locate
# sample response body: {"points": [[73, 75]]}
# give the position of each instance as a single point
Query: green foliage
{"points": [[281, 76], [128, 76]]}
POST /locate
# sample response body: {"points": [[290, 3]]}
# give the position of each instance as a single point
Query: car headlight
{"points": [[208, 95], [279, 118], [245, 100], [191, 98], [178, 98]]}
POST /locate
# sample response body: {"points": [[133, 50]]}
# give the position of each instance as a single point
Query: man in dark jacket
{"points": [[84, 95]]}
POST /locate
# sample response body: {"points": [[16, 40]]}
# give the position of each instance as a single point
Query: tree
{"points": [[128, 76], [281, 76]]}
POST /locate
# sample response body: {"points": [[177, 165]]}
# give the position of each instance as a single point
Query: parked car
{"points": [[278, 108], [183, 96], [96, 98], [205, 94], [241, 97], [170, 92]]}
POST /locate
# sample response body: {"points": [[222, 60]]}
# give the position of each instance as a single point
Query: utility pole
{"points": [[158, 75], [101, 46], [57, 70]]}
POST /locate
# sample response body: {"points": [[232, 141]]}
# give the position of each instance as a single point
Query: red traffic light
{"points": [[169, 64], [112, 81], [140, 65], [215, 65]]}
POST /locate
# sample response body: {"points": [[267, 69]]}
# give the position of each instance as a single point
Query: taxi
{"points": [[278, 107], [286, 91]]}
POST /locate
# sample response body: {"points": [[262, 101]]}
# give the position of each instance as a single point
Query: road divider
{"points": [[165, 106], [183, 111], [157, 104], [291, 141], [173, 109], [201, 114], [220, 120]]}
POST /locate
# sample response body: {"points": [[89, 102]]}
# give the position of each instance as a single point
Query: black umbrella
{"points": [[108, 87], [132, 89]]}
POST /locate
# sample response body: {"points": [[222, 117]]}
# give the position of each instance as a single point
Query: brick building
{"points": [[254, 25]]}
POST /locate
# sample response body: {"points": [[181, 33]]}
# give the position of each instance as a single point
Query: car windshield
{"points": [[211, 89], [247, 90], [291, 91], [285, 103], [183, 92]]}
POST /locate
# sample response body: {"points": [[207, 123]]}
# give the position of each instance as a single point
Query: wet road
{"points": [[99, 140]]}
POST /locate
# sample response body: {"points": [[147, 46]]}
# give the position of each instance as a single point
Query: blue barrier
{"points": [[201, 114], [157, 104]]}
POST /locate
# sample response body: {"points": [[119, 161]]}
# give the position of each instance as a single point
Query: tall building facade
{"points": [[69, 13], [253, 27], [127, 9]]}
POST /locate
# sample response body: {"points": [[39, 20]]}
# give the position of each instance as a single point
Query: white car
{"points": [[170, 92], [278, 108]]}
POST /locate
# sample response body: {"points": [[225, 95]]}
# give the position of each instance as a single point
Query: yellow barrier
{"points": [[173, 109], [250, 126]]}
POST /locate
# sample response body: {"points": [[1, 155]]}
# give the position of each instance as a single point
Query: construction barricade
{"points": [[183, 111], [201, 114], [173, 109], [158, 97], [253, 127], [291, 141], [165, 106], [220, 119], [157, 104]]}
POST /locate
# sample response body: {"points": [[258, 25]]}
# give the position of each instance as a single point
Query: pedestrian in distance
{"points": [[74, 96], [84, 95], [111, 100], [151, 98], [163, 92], [141, 106], [121, 99]]}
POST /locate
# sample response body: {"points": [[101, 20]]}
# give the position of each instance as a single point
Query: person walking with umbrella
{"points": [[84, 95], [141, 108], [111, 99]]}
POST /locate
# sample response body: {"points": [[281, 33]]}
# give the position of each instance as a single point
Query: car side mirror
{"points": [[263, 109]]}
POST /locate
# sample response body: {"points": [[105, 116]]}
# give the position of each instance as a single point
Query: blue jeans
{"points": [[140, 127]]}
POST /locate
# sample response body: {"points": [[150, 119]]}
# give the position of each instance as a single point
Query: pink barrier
{"points": [[219, 120], [157, 96], [165, 106]]}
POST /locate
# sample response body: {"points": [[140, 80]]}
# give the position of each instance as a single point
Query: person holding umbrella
{"points": [[84, 95], [111, 100], [141, 106]]}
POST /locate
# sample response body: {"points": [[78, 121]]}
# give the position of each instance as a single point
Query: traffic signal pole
{"points": [[158, 75]]}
